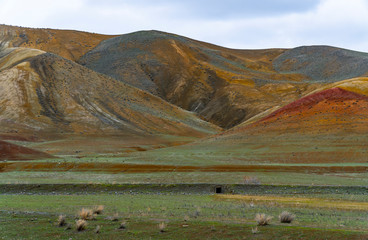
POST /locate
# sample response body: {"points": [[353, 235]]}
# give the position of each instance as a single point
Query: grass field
{"points": [[330, 200], [207, 217]]}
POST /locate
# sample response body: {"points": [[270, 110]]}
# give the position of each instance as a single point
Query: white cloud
{"points": [[339, 23]]}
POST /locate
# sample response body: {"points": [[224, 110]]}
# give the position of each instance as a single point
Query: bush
{"points": [[81, 225], [286, 217], [61, 221], [162, 226], [255, 230], [115, 217], [122, 225], [98, 210], [263, 219], [86, 214]]}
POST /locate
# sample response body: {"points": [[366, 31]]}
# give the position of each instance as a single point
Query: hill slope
{"points": [[327, 126], [224, 86], [66, 43], [323, 63], [47, 94], [14, 152]]}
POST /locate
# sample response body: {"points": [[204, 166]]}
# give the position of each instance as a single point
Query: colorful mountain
{"points": [[328, 126], [69, 44], [44, 93]]}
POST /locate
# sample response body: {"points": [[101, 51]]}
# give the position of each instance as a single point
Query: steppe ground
{"points": [[329, 201]]}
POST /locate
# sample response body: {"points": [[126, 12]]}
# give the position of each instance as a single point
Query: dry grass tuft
{"points": [[262, 219], [86, 214], [255, 230], [98, 229], [81, 225], [115, 217], [286, 217], [123, 225], [61, 221], [186, 218], [162, 226], [99, 209]]}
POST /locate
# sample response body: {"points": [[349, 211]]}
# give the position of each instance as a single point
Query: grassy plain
{"points": [[208, 217]]}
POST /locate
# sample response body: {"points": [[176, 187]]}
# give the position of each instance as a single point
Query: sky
{"points": [[244, 24]]}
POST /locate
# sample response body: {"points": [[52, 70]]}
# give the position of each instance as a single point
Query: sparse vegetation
{"points": [[86, 214], [61, 221], [255, 230], [286, 217], [81, 225], [262, 219], [98, 209], [162, 226], [115, 217], [221, 219], [123, 225], [197, 212]]}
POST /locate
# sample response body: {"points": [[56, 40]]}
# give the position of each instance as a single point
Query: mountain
{"points": [[69, 44], [301, 105], [46, 94], [14, 152], [329, 125], [224, 86], [323, 63]]}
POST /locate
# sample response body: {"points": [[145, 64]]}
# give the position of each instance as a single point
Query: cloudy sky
{"points": [[232, 23]]}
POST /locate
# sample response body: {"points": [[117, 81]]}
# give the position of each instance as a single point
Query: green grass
{"points": [[176, 206], [33, 226], [344, 179], [34, 217]]}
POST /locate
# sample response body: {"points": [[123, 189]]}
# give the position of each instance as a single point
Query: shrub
{"points": [[81, 225], [263, 219], [99, 209], [122, 225], [255, 230], [197, 212], [115, 217], [162, 226], [286, 217], [86, 214], [61, 221]]}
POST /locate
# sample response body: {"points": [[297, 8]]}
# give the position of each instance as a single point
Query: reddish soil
{"points": [[327, 112], [305, 103], [13, 152], [146, 168]]}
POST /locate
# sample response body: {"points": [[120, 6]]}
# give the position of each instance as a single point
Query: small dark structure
{"points": [[219, 189]]}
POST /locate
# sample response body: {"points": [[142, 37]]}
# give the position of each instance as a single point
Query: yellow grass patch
{"points": [[299, 201]]}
